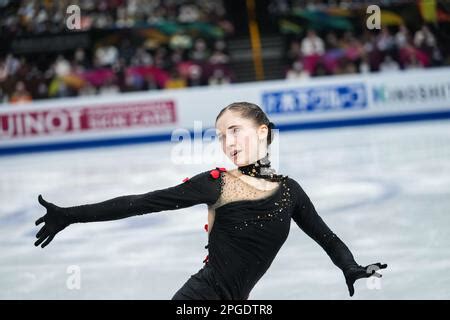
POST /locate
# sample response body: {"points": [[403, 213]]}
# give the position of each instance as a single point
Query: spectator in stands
{"points": [[348, 67], [297, 72], [353, 48], [11, 65], [62, 66], [321, 70], [385, 42], [294, 52], [364, 66], [150, 83], [402, 37], [141, 58], [80, 59], [106, 55], [218, 77], [312, 49], [414, 64], [88, 90], [195, 76], [334, 53], [389, 64], [411, 57], [219, 55], [160, 58], [188, 13], [20, 95], [425, 41], [41, 90], [109, 88], [175, 81], [200, 52], [3, 71], [312, 44]]}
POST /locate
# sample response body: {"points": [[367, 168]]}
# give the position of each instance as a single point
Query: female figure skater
{"points": [[249, 213]]}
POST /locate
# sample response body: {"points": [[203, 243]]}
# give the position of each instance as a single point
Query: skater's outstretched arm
{"points": [[201, 188], [307, 218]]}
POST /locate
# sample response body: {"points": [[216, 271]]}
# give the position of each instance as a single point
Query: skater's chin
{"points": [[239, 162]]}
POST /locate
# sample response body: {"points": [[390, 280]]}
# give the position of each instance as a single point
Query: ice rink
{"points": [[384, 189]]}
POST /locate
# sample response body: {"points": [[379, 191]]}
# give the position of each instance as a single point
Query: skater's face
{"points": [[242, 140]]}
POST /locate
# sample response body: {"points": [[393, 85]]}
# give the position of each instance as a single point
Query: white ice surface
{"points": [[384, 189]]}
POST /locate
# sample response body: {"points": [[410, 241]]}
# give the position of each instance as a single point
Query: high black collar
{"points": [[261, 169]]}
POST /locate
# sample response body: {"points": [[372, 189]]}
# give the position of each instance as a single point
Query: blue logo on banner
{"points": [[316, 99]]}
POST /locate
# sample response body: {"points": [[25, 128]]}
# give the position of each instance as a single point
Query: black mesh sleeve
{"points": [[201, 188], [307, 218]]}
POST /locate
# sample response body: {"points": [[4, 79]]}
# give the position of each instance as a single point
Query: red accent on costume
{"points": [[214, 173]]}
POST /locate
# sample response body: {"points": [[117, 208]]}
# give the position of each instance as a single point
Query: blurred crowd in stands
{"points": [[112, 70], [180, 57], [383, 51], [184, 43], [41, 16], [329, 37]]}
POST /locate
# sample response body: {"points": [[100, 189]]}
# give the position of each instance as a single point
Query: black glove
{"points": [[357, 272], [56, 219]]}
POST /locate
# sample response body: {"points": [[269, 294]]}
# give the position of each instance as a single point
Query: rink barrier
{"points": [[146, 117], [167, 137]]}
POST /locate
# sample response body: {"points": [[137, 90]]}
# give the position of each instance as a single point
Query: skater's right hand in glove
{"points": [[55, 220]]}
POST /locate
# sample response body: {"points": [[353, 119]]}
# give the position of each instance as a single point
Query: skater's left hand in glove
{"points": [[357, 272]]}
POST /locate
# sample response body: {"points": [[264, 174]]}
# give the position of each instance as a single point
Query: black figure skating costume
{"points": [[249, 229]]}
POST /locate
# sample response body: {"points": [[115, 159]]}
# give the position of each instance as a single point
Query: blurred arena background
{"points": [[95, 95]]}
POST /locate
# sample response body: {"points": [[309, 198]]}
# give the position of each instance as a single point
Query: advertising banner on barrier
{"points": [[316, 99], [75, 120], [406, 94], [153, 116]]}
